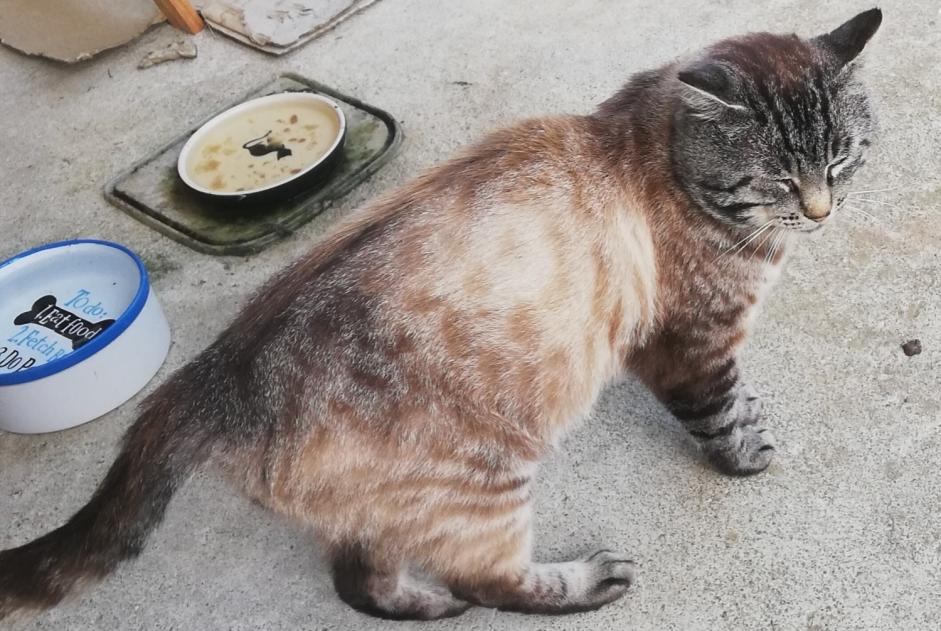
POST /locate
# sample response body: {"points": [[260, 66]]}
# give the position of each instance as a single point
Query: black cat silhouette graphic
{"points": [[259, 147]]}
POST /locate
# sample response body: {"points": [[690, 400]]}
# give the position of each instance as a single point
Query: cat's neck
{"points": [[697, 256], [634, 130]]}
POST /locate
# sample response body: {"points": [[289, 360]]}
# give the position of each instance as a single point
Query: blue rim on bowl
{"points": [[99, 341]]}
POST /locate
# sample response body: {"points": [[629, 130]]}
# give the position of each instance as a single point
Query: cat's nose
{"points": [[817, 204], [817, 214]]}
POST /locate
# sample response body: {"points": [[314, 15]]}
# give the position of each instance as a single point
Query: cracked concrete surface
{"points": [[842, 532]]}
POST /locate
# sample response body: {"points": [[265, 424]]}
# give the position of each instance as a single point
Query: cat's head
{"points": [[772, 128]]}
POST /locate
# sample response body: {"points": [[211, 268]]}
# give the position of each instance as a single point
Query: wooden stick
{"points": [[182, 15]]}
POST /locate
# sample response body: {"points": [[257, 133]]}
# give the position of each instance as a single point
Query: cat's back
{"points": [[515, 270], [522, 202], [525, 238]]}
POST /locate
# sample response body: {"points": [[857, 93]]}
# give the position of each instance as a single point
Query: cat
{"points": [[396, 388]]}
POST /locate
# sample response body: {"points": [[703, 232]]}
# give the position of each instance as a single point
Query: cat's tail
{"points": [[160, 451]]}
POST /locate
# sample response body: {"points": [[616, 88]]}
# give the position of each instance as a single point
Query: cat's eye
{"points": [[834, 168], [789, 184]]}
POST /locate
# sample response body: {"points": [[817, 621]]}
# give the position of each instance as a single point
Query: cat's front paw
{"points": [[746, 450]]}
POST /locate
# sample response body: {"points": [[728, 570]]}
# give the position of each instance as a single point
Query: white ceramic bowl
{"points": [[81, 332], [246, 146]]}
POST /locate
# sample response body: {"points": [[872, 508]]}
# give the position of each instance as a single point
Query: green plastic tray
{"points": [[151, 190]]}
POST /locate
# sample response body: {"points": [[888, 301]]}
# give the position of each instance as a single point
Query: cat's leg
{"points": [[494, 568], [731, 437], [751, 412], [385, 589], [551, 588], [468, 524], [698, 380]]}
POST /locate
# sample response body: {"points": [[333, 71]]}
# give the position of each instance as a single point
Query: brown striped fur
{"points": [[396, 388]]}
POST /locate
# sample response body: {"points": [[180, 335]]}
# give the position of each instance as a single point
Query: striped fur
{"points": [[396, 388]]}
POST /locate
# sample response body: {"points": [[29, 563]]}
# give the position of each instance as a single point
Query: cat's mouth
{"points": [[812, 228], [808, 226], [794, 222]]}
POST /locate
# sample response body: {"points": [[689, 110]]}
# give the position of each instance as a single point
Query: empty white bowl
{"points": [[81, 332]]}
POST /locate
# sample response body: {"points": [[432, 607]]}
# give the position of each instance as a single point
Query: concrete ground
{"points": [[842, 532]]}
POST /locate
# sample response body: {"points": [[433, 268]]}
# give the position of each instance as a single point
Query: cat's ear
{"points": [[708, 89], [847, 41]]}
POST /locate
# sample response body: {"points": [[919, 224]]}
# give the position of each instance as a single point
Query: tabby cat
{"points": [[396, 388]]}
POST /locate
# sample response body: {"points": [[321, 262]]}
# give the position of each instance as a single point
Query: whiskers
{"points": [[770, 231], [855, 199], [737, 247], [853, 202], [771, 234], [776, 242], [874, 190], [860, 211], [868, 201], [859, 196]]}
